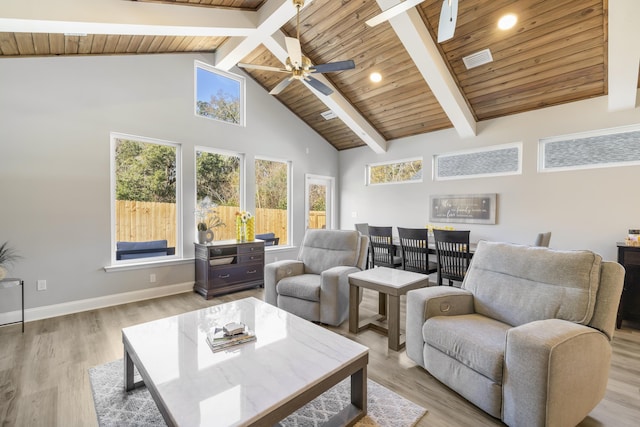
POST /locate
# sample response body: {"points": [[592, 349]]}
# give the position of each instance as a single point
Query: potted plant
{"points": [[7, 256], [208, 219]]}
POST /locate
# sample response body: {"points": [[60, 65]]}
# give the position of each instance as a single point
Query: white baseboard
{"points": [[71, 307]]}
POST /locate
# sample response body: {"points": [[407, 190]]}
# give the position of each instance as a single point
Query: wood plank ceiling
{"points": [[555, 54]]}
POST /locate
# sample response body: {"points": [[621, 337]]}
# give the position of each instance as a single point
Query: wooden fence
{"points": [[140, 221]]}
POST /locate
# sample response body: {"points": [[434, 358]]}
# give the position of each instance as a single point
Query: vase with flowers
{"points": [[207, 219], [245, 226], [7, 257]]}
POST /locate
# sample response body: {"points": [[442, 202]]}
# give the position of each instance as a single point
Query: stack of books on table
{"points": [[229, 335]]}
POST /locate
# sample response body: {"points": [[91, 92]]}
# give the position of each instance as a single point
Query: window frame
{"points": [[114, 136], [241, 80], [612, 132], [435, 169], [289, 164], [368, 166]]}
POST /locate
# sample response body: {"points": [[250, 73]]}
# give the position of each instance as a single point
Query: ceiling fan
{"points": [[448, 16], [299, 66]]}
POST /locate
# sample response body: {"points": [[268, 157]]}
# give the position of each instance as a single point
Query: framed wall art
{"points": [[463, 208]]}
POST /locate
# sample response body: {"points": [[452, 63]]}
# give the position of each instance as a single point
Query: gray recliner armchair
{"points": [[316, 286], [527, 336]]}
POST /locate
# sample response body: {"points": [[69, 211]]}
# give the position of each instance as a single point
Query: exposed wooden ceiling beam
{"points": [[624, 54], [415, 37], [122, 17], [335, 102], [271, 16]]}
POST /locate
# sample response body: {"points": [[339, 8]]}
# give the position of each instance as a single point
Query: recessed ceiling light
{"points": [[375, 77], [507, 21]]}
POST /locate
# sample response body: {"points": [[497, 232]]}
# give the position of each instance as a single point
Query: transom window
{"points": [[219, 94], [409, 170]]}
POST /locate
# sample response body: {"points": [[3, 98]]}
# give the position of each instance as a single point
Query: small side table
{"points": [[12, 283], [389, 282]]}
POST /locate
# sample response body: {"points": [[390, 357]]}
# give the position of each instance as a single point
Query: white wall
{"points": [[586, 209], [55, 118]]}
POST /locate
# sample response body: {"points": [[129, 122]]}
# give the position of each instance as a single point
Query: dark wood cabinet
{"points": [[629, 257], [227, 266]]}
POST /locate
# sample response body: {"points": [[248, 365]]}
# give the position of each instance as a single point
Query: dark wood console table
{"points": [[629, 257], [228, 266]]}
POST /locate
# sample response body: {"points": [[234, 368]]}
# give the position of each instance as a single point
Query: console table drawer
{"points": [[244, 259], [249, 248], [240, 273]]}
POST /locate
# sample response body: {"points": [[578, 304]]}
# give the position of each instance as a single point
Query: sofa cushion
{"points": [[304, 286], [324, 249], [474, 340], [520, 284]]}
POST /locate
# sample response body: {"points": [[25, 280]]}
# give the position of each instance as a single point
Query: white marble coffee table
{"points": [[257, 383], [391, 282]]}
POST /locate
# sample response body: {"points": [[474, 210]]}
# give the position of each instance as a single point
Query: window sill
{"points": [[279, 248], [147, 264]]}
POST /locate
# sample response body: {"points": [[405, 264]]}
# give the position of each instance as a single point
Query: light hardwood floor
{"points": [[44, 379]]}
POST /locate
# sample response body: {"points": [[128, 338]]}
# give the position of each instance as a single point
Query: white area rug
{"points": [[115, 407]]}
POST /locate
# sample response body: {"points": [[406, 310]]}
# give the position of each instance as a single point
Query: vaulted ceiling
{"points": [[559, 51]]}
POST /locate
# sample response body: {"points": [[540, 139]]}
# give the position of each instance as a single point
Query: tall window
{"points": [[146, 194], [272, 198], [219, 95], [394, 172], [219, 181]]}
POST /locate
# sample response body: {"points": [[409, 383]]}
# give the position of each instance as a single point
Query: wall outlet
{"points": [[152, 278], [42, 285]]}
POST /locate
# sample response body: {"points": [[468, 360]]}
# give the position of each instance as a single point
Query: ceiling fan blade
{"points": [[294, 51], [448, 18], [261, 67], [318, 85], [334, 66], [393, 11], [280, 86]]}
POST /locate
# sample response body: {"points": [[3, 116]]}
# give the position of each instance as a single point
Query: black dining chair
{"points": [[452, 253], [414, 247], [543, 239], [383, 251]]}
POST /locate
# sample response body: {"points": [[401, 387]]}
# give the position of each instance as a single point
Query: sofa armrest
{"points": [[555, 372], [276, 271], [334, 294], [429, 302]]}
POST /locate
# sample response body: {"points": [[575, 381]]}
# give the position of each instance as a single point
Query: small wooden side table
{"points": [[12, 283], [389, 282]]}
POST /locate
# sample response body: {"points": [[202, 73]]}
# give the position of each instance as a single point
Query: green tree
{"points": [[271, 184], [318, 197], [218, 177], [395, 172], [222, 106], [145, 172]]}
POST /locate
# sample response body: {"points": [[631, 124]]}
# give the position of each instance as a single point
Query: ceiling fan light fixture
{"points": [[506, 22], [375, 77]]}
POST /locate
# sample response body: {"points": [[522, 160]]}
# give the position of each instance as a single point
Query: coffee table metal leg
{"points": [[394, 322], [129, 383], [128, 372]]}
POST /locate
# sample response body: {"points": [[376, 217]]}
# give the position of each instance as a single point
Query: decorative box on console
{"points": [[228, 266]]}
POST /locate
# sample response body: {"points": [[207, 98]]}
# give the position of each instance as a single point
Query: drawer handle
{"points": [[251, 271], [252, 249], [226, 276]]}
